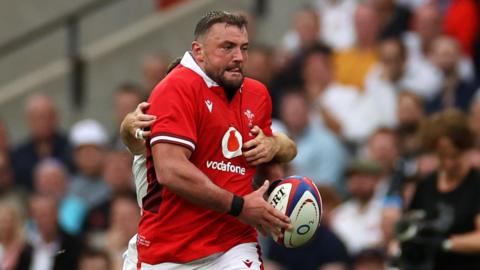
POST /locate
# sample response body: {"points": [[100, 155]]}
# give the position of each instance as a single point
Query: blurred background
{"points": [[370, 90]]}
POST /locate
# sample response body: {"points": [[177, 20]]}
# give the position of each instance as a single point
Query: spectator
{"points": [[333, 101], [452, 193], [260, 67], [124, 219], [117, 174], [352, 65], [12, 241], [126, 98], [4, 143], [336, 23], [427, 23], [370, 259], [52, 248], [45, 140], [154, 70], [358, 221], [330, 200], [455, 91], [410, 114], [427, 26], [396, 72], [296, 44], [51, 177], [8, 190], [343, 109], [394, 18], [382, 147], [462, 22], [321, 156], [475, 117], [93, 259], [305, 33], [89, 140]]}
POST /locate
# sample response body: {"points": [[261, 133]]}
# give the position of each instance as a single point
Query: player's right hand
{"points": [[260, 214]]}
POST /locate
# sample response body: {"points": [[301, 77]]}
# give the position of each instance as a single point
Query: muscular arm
{"points": [[287, 150], [468, 242], [181, 177]]}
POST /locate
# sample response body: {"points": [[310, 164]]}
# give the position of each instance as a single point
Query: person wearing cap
{"points": [[89, 140], [358, 220]]}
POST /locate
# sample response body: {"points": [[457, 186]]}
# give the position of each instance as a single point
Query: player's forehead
{"points": [[221, 32]]}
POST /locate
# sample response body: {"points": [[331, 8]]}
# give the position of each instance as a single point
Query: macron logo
{"points": [[248, 263], [209, 105]]}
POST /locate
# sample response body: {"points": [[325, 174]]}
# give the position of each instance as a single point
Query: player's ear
{"points": [[197, 50]]}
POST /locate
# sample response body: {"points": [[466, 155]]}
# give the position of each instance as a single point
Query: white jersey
{"points": [[139, 170]]}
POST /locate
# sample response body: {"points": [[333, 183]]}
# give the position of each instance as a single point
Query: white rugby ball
{"points": [[299, 199]]}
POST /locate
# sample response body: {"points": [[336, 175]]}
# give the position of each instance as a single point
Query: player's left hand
{"points": [[261, 149]]}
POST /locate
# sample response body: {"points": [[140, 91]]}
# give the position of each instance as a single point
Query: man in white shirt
{"points": [[358, 221]]}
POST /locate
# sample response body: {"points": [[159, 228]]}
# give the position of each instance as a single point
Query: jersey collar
{"points": [[190, 63]]}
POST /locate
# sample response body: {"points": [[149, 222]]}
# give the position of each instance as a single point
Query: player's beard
{"points": [[230, 86]]}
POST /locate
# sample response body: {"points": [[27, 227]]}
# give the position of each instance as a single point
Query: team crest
{"points": [[250, 116]]}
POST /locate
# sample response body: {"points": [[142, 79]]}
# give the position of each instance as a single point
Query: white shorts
{"points": [[241, 257]]}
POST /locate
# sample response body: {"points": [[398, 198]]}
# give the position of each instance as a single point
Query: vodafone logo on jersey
{"points": [[232, 143], [231, 147]]}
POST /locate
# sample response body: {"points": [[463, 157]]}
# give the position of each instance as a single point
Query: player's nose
{"points": [[238, 55]]}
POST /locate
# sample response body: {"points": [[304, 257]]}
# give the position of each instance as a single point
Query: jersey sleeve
{"points": [[173, 105]]}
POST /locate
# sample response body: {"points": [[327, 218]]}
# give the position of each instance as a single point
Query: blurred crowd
{"points": [[363, 87]]}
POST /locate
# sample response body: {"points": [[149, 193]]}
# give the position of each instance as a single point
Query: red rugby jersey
{"points": [[193, 112]]}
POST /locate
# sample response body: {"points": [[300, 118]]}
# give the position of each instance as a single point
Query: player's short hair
{"points": [[214, 17]]}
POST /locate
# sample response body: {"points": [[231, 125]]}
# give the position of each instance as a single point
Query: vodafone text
{"points": [[225, 167]]}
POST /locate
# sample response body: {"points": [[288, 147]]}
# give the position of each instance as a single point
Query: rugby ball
{"points": [[298, 198]]}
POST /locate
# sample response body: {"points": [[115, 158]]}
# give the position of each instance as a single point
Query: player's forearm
{"points": [[188, 182], [287, 149], [135, 146], [466, 243]]}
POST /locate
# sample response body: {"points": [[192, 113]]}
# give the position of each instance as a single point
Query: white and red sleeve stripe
{"points": [[174, 139]]}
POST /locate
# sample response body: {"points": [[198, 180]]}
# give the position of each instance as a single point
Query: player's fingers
{"points": [[251, 144], [144, 124], [276, 222], [251, 155], [263, 188], [146, 133], [143, 106], [277, 231], [145, 117], [256, 130], [256, 162], [283, 220]]}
